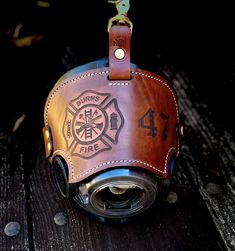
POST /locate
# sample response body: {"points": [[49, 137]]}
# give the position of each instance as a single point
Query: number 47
{"points": [[148, 122]]}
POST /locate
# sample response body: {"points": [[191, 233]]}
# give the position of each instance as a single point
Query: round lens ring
{"points": [[118, 193]]}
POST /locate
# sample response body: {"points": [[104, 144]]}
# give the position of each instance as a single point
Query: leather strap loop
{"points": [[119, 52]]}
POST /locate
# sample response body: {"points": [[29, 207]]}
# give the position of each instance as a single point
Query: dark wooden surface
{"points": [[178, 226], [202, 215], [209, 155], [202, 218], [12, 195]]}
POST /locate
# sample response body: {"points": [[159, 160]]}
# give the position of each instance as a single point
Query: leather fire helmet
{"points": [[112, 133]]}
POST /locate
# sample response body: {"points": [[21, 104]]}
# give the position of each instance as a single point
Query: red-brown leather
{"points": [[112, 135], [119, 38]]}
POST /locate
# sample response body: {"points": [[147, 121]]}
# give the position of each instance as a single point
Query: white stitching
{"points": [[115, 161], [68, 158], [65, 83], [162, 82], [167, 156], [106, 72], [118, 84], [71, 163], [125, 161], [178, 147]]}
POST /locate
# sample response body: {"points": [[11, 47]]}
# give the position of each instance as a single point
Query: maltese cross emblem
{"points": [[92, 124]]}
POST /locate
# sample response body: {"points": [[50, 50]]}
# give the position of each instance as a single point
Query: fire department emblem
{"points": [[92, 124]]}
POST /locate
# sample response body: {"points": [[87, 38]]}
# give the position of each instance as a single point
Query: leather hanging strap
{"points": [[119, 52]]}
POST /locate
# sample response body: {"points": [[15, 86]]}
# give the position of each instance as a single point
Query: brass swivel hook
{"points": [[122, 9]]}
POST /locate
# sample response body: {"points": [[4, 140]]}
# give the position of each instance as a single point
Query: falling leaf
{"points": [[43, 4], [27, 41], [18, 122]]}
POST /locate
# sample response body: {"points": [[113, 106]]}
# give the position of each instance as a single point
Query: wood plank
{"points": [[209, 154], [177, 226], [12, 195]]}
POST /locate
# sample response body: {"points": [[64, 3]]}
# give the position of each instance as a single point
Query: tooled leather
{"points": [[119, 38], [95, 122]]}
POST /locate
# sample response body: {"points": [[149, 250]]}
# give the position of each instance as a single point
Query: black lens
{"points": [[60, 174], [122, 199]]}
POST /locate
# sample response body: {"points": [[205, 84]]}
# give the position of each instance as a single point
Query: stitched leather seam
{"points": [[68, 159], [65, 83], [162, 82], [71, 163], [178, 147], [99, 73], [167, 156], [125, 161], [115, 162], [119, 84]]}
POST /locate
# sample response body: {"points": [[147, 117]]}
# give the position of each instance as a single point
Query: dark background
{"points": [[193, 37]]}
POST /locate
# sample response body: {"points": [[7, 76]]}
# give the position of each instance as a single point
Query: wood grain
{"points": [[12, 195], [178, 226], [198, 220], [209, 154]]}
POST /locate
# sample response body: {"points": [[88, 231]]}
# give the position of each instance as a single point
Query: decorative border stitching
{"points": [[111, 84], [118, 84], [162, 82], [125, 161], [71, 163], [167, 156], [68, 158], [100, 73], [65, 83], [178, 147], [115, 162]]}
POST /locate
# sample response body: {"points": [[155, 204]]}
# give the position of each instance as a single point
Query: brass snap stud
{"points": [[119, 53]]}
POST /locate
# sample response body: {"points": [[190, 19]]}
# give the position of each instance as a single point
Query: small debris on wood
{"points": [[213, 188], [27, 41], [2, 136], [172, 197], [43, 4]]}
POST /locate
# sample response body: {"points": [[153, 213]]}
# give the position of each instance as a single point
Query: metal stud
{"points": [[61, 219], [172, 197], [12, 228], [119, 53]]}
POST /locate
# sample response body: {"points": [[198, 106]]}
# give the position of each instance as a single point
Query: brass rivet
{"points": [[49, 146], [47, 134], [119, 53]]}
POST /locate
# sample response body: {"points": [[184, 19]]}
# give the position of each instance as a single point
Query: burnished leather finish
{"points": [[119, 38], [97, 123]]}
